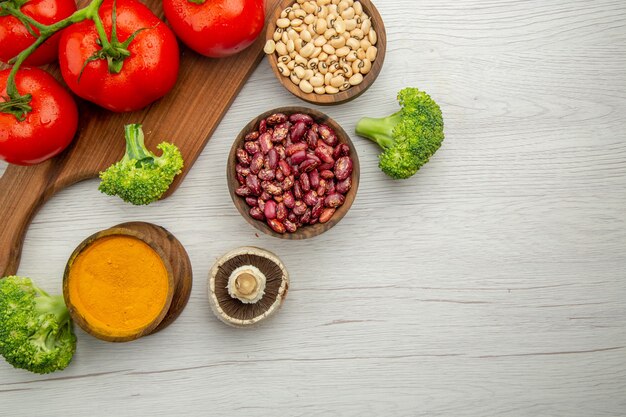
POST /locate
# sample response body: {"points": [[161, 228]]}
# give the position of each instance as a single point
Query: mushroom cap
{"points": [[233, 311]]}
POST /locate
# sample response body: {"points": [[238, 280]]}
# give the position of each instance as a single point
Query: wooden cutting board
{"points": [[187, 116]]}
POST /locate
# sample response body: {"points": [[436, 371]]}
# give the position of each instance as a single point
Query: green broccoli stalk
{"points": [[36, 331], [141, 177], [409, 137]]}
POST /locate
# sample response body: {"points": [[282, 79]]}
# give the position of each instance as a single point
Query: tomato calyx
{"points": [[18, 106], [114, 51]]}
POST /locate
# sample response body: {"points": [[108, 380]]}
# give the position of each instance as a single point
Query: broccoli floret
{"points": [[36, 331], [141, 177], [409, 137]]}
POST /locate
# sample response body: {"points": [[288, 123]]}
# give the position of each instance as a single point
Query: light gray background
{"points": [[491, 283]]}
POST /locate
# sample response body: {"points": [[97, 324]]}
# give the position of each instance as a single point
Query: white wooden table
{"points": [[491, 283]]}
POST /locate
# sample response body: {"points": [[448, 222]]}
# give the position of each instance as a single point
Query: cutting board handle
{"points": [[25, 189]]}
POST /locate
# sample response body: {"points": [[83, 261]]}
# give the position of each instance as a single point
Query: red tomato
{"points": [[147, 74], [47, 129], [216, 28], [14, 37]]}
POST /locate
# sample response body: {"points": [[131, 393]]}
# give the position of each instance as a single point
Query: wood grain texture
{"points": [[343, 96], [303, 232], [186, 117], [490, 284]]}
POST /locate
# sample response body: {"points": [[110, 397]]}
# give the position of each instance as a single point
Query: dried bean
{"points": [[298, 131], [243, 191], [334, 200], [306, 217], [292, 217], [265, 140], [314, 178], [327, 174], [281, 212], [343, 168], [328, 135], [279, 175], [270, 209], [280, 132], [297, 191], [341, 150], [299, 208], [276, 226], [316, 211], [243, 157], [257, 163], [252, 136], [271, 188], [288, 182], [272, 159], [309, 165], [256, 213], [298, 158], [280, 149], [240, 169], [253, 183], [324, 153], [264, 195], [295, 148], [327, 214], [252, 147], [311, 139], [263, 126], [330, 186], [284, 167], [344, 186], [241, 179], [324, 167], [252, 201], [290, 226], [300, 117], [289, 200], [267, 174], [310, 198], [276, 118]]}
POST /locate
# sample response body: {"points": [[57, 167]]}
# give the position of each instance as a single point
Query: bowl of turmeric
{"points": [[126, 282]]}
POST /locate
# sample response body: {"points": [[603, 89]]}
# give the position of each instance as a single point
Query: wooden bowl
{"points": [[342, 96], [176, 262], [305, 232]]}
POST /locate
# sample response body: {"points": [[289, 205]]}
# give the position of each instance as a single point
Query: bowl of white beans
{"points": [[326, 51]]}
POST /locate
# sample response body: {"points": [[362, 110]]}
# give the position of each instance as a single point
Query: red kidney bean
{"points": [[344, 186], [315, 128], [311, 155], [327, 214], [298, 158], [292, 217], [284, 167], [324, 153], [252, 136], [295, 148], [243, 191], [280, 132], [253, 183], [321, 190], [272, 189], [288, 182], [306, 217], [330, 186], [300, 117], [261, 204], [334, 200], [240, 169], [313, 221], [279, 175], [343, 168], [264, 195], [314, 178], [267, 174], [280, 149], [299, 208], [276, 118], [305, 183], [316, 211], [278, 198], [298, 131], [327, 174], [241, 179], [311, 139], [281, 212], [326, 167], [290, 226], [276, 226], [341, 150], [252, 147], [270, 209], [297, 191], [289, 200], [272, 159], [257, 213], [308, 165], [243, 157], [256, 163], [252, 201], [328, 135], [265, 140], [263, 126], [310, 198]]}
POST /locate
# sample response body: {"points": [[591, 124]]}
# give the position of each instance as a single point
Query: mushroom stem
{"points": [[247, 284]]}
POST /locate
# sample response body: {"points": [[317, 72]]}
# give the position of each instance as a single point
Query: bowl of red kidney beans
{"points": [[293, 172]]}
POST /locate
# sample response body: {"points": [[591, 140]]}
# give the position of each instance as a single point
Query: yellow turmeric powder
{"points": [[119, 284]]}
